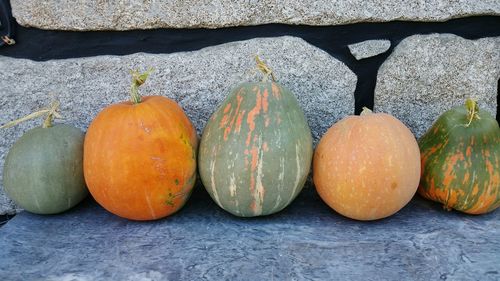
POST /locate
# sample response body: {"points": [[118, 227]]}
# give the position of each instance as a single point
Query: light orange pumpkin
{"points": [[140, 157], [367, 167]]}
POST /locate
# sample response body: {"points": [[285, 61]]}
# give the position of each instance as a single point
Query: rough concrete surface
{"points": [[369, 48], [197, 80], [428, 74], [140, 14], [306, 241]]}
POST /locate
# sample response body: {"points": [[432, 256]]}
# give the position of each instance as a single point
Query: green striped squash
{"points": [[460, 157], [256, 150]]}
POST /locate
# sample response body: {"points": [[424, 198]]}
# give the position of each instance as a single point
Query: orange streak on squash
{"points": [[466, 178], [265, 146], [227, 130], [452, 198], [275, 91], [486, 201], [224, 121], [429, 152], [449, 173], [438, 193], [238, 121], [255, 158], [468, 152], [252, 114], [246, 158], [229, 127], [475, 189], [265, 103], [253, 206], [489, 167], [254, 152]]}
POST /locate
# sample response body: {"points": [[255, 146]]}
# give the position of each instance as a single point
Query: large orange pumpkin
{"points": [[367, 167], [140, 157]]}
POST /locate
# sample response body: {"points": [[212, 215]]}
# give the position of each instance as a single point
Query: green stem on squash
{"points": [[366, 111], [49, 113], [472, 111], [137, 80], [264, 69]]}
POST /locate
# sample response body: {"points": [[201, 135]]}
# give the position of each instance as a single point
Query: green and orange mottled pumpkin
{"points": [[256, 150], [461, 160]]}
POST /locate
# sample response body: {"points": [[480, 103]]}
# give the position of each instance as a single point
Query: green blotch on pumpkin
{"points": [[170, 199], [184, 140]]}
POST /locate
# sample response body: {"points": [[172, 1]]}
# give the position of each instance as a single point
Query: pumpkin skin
{"points": [[43, 171], [367, 167], [461, 164], [140, 159], [255, 152]]}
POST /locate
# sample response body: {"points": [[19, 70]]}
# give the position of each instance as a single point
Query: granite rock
{"points": [[7, 207], [429, 74], [369, 48], [197, 80], [140, 14]]}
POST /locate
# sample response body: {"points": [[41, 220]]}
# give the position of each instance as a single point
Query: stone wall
{"points": [[423, 75], [141, 14]]}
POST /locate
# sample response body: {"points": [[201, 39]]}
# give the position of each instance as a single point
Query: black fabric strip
{"points": [[7, 23]]}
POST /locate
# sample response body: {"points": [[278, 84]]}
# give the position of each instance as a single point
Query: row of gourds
{"points": [[139, 158]]}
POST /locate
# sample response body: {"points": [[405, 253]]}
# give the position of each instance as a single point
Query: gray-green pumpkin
{"points": [[256, 150], [43, 171]]}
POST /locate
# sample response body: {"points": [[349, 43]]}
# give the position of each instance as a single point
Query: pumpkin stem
{"points": [[365, 111], [137, 80], [49, 112], [50, 115], [264, 69], [472, 110]]}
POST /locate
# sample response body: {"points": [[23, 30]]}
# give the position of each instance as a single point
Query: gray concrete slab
{"points": [[306, 241]]}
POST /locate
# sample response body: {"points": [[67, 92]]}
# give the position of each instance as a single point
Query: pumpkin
{"points": [[256, 149], [461, 160], [140, 156], [367, 167], [43, 171]]}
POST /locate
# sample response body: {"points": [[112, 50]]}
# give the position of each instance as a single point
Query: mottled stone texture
{"points": [[306, 241], [369, 48], [429, 74], [197, 80], [140, 14]]}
